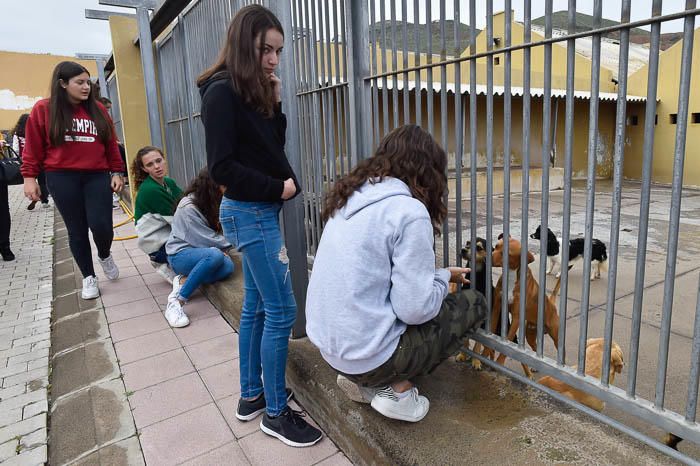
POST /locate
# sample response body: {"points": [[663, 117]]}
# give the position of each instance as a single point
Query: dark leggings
{"points": [[41, 179], [4, 217], [84, 200]]}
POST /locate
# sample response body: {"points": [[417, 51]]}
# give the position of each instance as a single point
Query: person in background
{"points": [[71, 137], [196, 247], [5, 220], [245, 135], [156, 199], [18, 143]]}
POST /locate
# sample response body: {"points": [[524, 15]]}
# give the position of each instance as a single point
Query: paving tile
{"points": [[151, 278], [214, 351], [262, 449], [231, 453], [156, 369], [137, 326], [160, 288], [133, 294], [202, 330], [185, 436], [168, 399], [146, 346], [222, 380], [339, 459], [124, 272], [129, 310], [228, 409], [200, 308]]}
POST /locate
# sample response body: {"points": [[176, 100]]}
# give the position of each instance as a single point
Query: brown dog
{"points": [[594, 368], [551, 317]]}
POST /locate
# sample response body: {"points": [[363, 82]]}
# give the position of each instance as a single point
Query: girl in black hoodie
{"points": [[245, 135]]}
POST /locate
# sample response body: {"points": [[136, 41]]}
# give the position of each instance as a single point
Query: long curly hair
{"points": [[137, 168], [408, 153], [206, 197]]}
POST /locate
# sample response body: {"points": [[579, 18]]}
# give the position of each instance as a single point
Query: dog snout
{"points": [[466, 253]]}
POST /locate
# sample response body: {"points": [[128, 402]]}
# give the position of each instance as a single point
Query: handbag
{"points": [[10, 168]]}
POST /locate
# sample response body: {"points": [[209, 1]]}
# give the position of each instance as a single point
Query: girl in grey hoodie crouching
{"points": [[377, 307], [196, 248]]}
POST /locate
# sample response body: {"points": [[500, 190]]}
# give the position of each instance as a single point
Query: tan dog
{"points": [[594, 368], [551, 316]]}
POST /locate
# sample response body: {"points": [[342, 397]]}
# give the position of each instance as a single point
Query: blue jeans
{"points": [[201, 265], [269, 308]]}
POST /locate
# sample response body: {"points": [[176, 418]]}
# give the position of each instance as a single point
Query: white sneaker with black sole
{"points": [[408, 406], [109, 267], [355, 392], [90, 289], [291, 428], [175, 315]]}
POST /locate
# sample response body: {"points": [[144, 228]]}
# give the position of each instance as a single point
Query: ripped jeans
{"points": [[269, 308]]}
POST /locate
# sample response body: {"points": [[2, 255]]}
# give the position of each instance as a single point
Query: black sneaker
{"points": [[7, 254], [249, 410], [291, 428]]}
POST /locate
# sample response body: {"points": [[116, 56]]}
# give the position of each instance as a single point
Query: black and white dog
{"points": [[599, 256]]}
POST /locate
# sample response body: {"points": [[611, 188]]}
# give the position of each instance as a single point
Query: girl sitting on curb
{"points": [[196, 247]]}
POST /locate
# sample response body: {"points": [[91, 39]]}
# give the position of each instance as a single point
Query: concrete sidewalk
{"points": [[156, 395]]}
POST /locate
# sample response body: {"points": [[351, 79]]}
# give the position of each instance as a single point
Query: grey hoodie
{"points": [[191, 230], [374, 273]]}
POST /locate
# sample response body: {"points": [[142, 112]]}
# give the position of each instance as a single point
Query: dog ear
{"points": [[530, 258]]}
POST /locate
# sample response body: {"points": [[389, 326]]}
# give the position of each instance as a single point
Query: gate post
{"points": [[356, 14], [293, 211]]}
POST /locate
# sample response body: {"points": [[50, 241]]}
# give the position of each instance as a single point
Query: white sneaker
{"points": [[45, 205], [411, 407], [164, 271], [176, 315], [90, 289], [115, 200], [176, 289], [355, 392], [109, 267]]}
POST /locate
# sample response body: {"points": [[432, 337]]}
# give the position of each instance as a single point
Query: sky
{"points": [[59, 27]]}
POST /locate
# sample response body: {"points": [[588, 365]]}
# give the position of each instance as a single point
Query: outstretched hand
{"points": [[458, 275]]}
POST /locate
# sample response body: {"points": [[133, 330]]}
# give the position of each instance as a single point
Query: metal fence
{"points": [[359, 69], [115, 112]]}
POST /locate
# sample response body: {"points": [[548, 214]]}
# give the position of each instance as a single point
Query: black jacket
{"points": [[245, 150]]}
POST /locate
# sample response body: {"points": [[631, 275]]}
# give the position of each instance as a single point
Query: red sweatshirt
{"points": [[82, 150]]}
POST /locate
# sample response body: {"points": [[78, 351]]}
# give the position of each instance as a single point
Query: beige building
{"points": [[24, 79]]}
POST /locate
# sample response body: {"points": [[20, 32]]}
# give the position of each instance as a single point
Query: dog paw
{"points": [[476, 364], [461, 357]]}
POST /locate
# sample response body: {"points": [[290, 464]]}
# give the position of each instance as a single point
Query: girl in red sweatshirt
{"points": [[71, 137]]}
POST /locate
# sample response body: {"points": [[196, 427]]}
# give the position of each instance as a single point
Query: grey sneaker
{"points": [[356, 393], [109, 267]]}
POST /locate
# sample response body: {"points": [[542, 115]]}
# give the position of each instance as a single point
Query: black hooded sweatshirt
{"points": [[245, 150]]}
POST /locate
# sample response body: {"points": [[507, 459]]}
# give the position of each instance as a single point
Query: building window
{"points": [[696, 118], [497, 41], [673, 118], [634, 120], [497, 61]]}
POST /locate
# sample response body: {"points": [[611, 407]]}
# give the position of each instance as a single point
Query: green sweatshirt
{"points": [[156, 199]]}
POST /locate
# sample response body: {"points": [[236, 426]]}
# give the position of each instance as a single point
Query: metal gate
{"points": [[360, 68]]}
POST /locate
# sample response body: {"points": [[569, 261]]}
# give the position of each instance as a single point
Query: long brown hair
{"points": [[241, 62], [61, 110], [408, 153], [137, 168], [206, 197]]}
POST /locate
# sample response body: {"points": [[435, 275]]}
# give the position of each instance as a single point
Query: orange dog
{"points": [[551, 316], [594, 368]]}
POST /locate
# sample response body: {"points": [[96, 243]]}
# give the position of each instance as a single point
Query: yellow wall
{"points": [[130, 86], [665, 131], [24, 79]]}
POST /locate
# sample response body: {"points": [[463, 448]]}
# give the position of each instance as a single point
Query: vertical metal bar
{"points": [[344, 32], [473, 140], [546, 141], [459, 137], [374, 68], [618, 161], [293, 211], [443, 130], [328, 120], [417, 90], [406, 101], [568, 170], [590, 186], [339, 114], [394, 64], [429, 58], [149, 75], [489, 147], [104, 90], [676, 192], [525, 171], [691, 405], [507, 116], [383, 45], [359, 92], [314, 108]]}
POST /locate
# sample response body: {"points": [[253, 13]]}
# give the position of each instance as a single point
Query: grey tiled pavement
{"points": [[25, 311]]}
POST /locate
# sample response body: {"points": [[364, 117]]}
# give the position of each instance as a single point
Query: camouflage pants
{"points": [[422, 347]]}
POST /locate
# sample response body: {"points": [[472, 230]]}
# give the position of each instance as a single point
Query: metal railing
{"points": [[357, 69]]}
